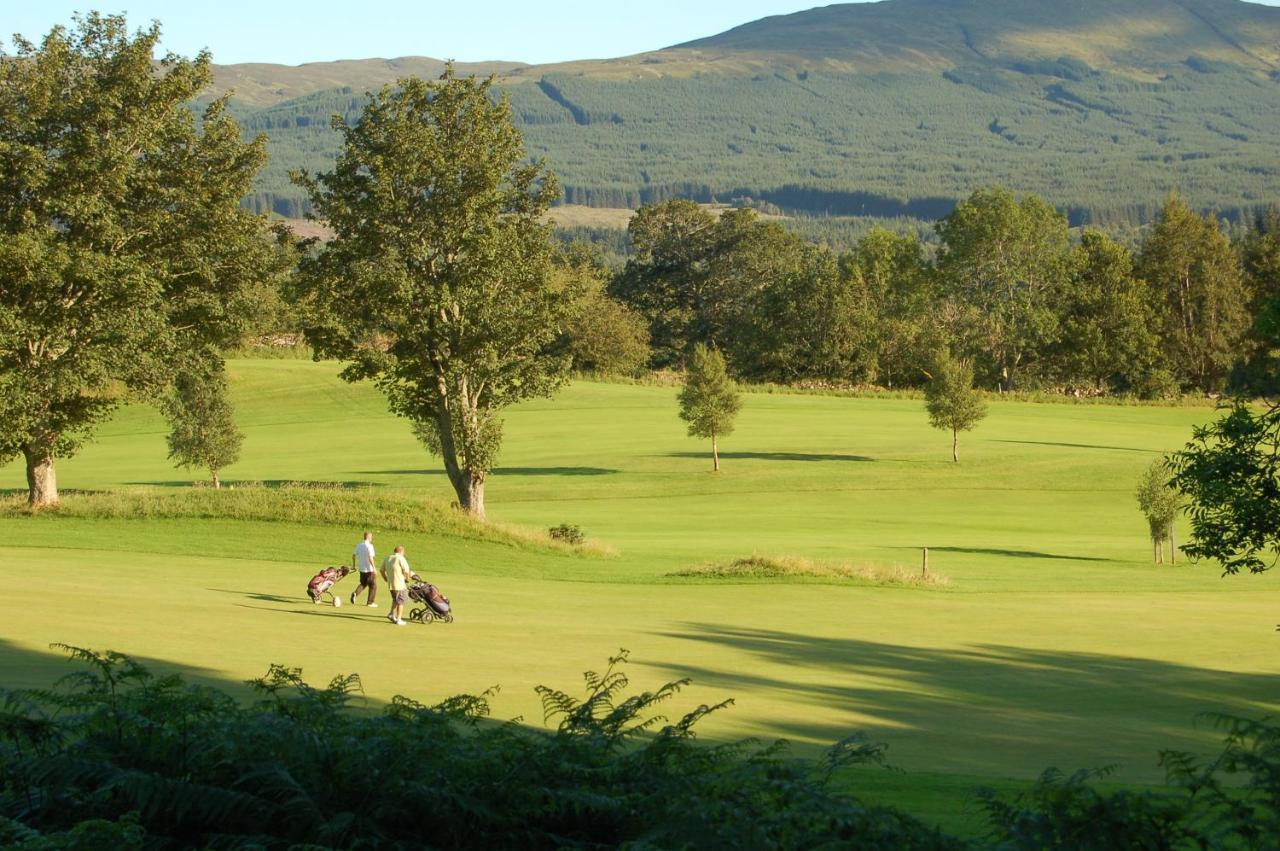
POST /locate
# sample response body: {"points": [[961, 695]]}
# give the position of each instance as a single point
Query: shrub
{"points": [[568, 534], [188, 766]]}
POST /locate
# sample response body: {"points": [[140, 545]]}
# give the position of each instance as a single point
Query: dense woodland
{"points": [[1009, 285]]}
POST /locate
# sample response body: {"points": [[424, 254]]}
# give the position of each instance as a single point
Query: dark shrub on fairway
{"points": [[118, 757], [568, 534]]}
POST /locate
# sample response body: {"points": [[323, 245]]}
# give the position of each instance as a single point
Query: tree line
{"points": [[1009, 287]]}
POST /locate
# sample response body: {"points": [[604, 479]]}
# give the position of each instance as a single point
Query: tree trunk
{"points": [[955, 446], [471, 494], [217, 483], [1159, 550], [1173, 546], [715, 455], [42, 479]]}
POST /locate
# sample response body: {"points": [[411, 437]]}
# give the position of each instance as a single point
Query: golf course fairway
{"points": [[1051, 641]]}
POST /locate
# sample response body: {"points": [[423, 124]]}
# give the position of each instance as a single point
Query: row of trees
{"points": [[1009, 288]]}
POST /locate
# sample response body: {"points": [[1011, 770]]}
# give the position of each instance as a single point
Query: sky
{"points": [[292, 32]]}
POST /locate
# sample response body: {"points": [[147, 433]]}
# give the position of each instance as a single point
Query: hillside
{"points": [[894, 108]]}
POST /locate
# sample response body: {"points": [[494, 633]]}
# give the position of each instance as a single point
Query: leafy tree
{"points": [[803, 322], [666, 278], [1230, 474], [1160, 503], [123, 252], [1260, 255], [203, 430], [606, 335], [1108, 321], [1191, 265], [438, 283], [709, 402], [894, 289], [951, 401], [1007, 258]]}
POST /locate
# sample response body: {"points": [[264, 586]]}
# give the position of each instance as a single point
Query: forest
{"points": [[1008, 286]]}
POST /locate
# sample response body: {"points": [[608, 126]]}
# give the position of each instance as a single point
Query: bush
{"points": [[188, 766], [568, 534]]}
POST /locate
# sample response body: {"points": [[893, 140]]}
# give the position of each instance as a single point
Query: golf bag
{"points": [[322, 583]]}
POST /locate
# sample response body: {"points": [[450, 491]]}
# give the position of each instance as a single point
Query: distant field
{"points": [[1055, 643]]}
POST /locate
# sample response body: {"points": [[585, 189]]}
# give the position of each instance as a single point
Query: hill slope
{"points": [[894, 108]]}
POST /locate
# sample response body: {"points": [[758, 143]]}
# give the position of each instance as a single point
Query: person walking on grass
{"points": [[396, 571], [362, 560]]}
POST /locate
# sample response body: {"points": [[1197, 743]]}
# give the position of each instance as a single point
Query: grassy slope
{"points": [[1056, 643]]}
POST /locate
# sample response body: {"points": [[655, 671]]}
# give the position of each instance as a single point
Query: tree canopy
{"points": [[124, 253], [438, 284]]}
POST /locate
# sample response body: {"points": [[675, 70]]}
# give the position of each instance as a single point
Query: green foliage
{"points": [[1203, 304], [1005, 261], [305, 767], [438, 282], [568, 533], [123, 248], [203, 430], [606, 336], [709, 401], [950, 400], [1230, 473], [1160, 503]]}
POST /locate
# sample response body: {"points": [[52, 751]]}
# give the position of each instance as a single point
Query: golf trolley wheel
{"points": [[447, 618], [420, 615]]}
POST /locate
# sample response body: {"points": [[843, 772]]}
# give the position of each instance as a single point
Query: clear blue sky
{"points": [[292, 32]]}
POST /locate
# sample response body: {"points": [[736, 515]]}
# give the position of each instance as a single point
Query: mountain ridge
{"points": [[896, 108]]}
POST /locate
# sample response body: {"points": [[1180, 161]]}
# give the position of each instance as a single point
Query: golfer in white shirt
{"points": [[362, 560]]}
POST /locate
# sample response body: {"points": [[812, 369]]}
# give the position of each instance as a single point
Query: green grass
{"points": [[1054, 643]]}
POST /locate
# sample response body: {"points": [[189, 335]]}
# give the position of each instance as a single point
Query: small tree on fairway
{"points": [[709, 401], [438, 282], [203, 427], [1160, 504], [951, 401]]}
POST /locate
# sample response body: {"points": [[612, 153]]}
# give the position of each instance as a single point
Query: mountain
{"points": [[895, 108]]}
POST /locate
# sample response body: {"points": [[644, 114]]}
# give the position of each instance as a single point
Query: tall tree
{"points": [[709, 402], [1007, 258], [1109, 341], [1190, 263], [802, 320], [437, 284], [951, 401], [123, 251], [1260, 254], [666, 279], [894, 294]]}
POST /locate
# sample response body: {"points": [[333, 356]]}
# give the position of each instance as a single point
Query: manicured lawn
{"points": [[1056, 642]]}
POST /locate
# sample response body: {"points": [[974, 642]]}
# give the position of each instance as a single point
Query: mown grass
{"points": [[1056, 643], [792, 568]]}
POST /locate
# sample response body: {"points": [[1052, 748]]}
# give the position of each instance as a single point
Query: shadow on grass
{"points": [[503, 471], [264, 598], [773, 456], [268, 484], [984, 551], [1082, 446], [987, 708]]}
